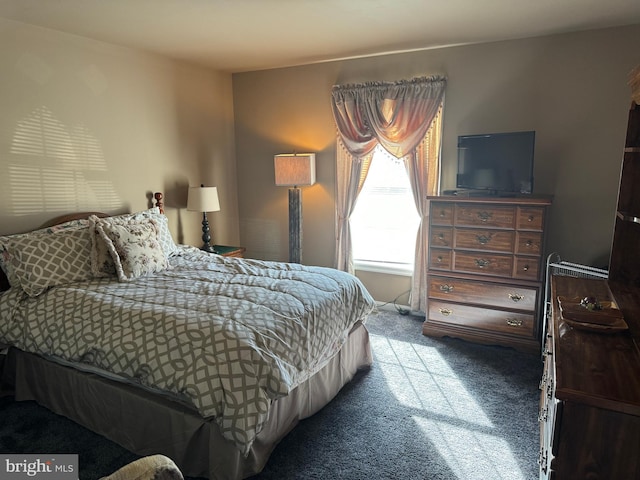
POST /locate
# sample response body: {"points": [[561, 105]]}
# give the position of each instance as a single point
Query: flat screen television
{"points": [[496, 163]]}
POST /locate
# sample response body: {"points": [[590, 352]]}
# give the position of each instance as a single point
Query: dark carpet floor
{"points": [[436, 409]]}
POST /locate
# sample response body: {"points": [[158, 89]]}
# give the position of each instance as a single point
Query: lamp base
{"points": [[295, 226], [206, 237], [208, 248]]}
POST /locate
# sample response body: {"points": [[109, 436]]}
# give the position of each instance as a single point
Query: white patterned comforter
{"points": [[229, 334]]}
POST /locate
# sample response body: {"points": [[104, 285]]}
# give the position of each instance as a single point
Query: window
{"points": [[385, 221]]}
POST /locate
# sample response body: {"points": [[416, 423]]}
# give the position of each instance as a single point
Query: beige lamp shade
{"points": [[294, 170], [203, 199]]}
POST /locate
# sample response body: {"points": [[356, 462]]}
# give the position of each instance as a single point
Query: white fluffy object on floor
{"points": [[153, 467]]}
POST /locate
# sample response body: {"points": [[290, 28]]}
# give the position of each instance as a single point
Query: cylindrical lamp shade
{"points": [[295, 170], [203, 199]]}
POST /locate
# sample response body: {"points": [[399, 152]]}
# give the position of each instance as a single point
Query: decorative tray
{"points": [[607, 318]]}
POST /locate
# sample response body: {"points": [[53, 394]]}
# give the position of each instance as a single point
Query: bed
{"points": [[166, 349]]}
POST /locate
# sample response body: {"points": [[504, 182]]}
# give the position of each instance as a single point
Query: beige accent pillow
{"points": [[102, 264], [43, 261], [134, 248]]}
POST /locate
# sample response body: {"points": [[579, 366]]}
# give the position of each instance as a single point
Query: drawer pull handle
{"points": [[525, 268], [482, 262], [543, 381], [531, 218], [442, 239], [439, 259], [483, 239], [442, 213], [543, 461], [529, 243], [446, 288], [446, 312], [484, 216], [516, 297], [514, 322], [544, 413]]}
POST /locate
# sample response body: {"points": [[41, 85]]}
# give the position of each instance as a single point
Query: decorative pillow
{"points": [[102, 264], [134, 248], [43, 261], [5, 256], [167, 243]]}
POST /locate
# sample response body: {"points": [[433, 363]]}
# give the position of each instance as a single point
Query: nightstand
{"points": [[228, 251]]}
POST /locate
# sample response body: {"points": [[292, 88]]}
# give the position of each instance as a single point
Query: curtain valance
{"points": [[395, 114]]}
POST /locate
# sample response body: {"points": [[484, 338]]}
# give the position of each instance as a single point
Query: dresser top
{"points": [[598, 369], [544, 200]]}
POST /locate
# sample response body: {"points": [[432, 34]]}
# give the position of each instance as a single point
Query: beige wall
{"points": [[571, 89], [91, 126]]}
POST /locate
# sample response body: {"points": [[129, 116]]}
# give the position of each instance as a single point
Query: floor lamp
{"points": [[295, 170], [204, 199]]}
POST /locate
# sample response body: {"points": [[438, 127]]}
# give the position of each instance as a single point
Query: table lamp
{"points": [[204, 199]]}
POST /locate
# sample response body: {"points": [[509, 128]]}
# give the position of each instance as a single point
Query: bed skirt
{"points": [[148, 424]]}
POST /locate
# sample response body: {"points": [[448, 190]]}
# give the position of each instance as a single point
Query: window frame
{"points": [[388, 267]]}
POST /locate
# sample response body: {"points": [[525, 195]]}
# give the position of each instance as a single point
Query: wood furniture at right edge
{"points": [[590, 389]]}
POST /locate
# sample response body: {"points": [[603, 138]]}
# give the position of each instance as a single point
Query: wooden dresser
{"points": [[486, 269], [590, 390]]}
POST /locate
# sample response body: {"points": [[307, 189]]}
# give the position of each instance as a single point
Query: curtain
{"points": [[351, 173], [396, 115], [424, 175]]}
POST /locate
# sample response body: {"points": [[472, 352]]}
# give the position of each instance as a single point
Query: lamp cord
{"points": [[400, 310]]}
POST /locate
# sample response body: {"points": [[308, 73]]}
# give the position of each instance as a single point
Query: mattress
{"points": [[227, 336]]}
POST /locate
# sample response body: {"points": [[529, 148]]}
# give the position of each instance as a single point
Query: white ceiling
{"points": [[245, 35]]}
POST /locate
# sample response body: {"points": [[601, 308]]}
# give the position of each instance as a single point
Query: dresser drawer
{"points": [[529, 243], [530, 218], [441, 237], [440, 259], [485, 216], [520, 324], [482, 263], [484, 240], [527, 268], [482, 293], [441, 213]]}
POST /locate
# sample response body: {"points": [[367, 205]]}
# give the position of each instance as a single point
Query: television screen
{"points": [[497, 162]]}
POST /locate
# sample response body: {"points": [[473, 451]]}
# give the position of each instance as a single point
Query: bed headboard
{"points": [[158, 196], [159, 201]]}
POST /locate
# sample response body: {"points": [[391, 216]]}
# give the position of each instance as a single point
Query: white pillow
{"points": [[43, 261], [102, 264], [134, 248]]}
